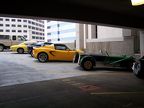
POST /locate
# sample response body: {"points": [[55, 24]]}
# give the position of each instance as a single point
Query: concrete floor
{"points": [[104, 90], [22, 68], [26, 83]]}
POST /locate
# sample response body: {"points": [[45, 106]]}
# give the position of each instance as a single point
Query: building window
{"points": [[6, 19], [13, 25], [25, 31], [13, 20], [7, 30], [33, 23], [13, 37], [37, 37], [29, 22], [1, 30], [33, 28], [49, 34], [13, 30], [1, 25], [58, 32], [24, 25], [29, 27], [1, 19], [33, 37], [25, 36], [33, 32], [19, 20], [24, 20], [7, 25], [19, 31], [58, 25], [18, 25]]}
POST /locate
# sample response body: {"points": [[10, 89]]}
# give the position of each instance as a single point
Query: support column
{"points": [[80, 36], [85, 34], [142, 43]]}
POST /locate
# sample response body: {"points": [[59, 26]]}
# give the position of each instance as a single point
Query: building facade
{"points": [[60, 32], [94, 38], [112, 40], [31, 29]]}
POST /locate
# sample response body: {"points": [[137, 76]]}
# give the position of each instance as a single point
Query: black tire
{"points": [[76, 57], [87, 64], [20, 50], [1, 48], [127, 64], [31, 54], [137, 69], [42, 57]]}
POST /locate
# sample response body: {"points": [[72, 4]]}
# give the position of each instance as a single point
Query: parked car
{"points": [[7, 40], [36, 45], [138, 67], [89, 61], [21, 48], [58, 52]]}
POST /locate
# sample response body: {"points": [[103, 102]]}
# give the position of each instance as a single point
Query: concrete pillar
{"points": [[80, 36], [85, 34], [142, 43], [91, 31]]}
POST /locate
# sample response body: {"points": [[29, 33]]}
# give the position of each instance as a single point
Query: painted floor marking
{"points": [[87, 88], [115, 93]]}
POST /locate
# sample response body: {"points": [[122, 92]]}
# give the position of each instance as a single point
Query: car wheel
{"points": [[20, 50], [137, 69], [42, 57], [1, 48], [31, 54], [87, 64], [76, 57]]}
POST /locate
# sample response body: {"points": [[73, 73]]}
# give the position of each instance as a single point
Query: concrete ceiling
{"points": [[111, 12]]}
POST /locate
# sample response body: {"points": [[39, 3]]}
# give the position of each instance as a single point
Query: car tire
{"points": [[76, 57], [137, 69], [31, 53], [42, 57], [20, 50], [87, 64], [1, 48]]}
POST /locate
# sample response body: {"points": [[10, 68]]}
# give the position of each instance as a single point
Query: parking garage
{"points": [[25, 82]]}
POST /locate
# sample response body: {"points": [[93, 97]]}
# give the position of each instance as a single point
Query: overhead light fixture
{"points": [[137, 2]]}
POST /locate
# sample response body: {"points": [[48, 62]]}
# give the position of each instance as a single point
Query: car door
{"points": [[63, 53]]}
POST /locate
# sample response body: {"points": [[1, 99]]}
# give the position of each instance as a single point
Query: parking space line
{"points": [[115, 93]]}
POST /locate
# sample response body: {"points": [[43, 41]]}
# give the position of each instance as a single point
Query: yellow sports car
{"points": [[57, 52], [21, 48]]}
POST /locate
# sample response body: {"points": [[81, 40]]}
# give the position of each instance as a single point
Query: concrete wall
{"points": [[113, 48], [109, 33]]}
